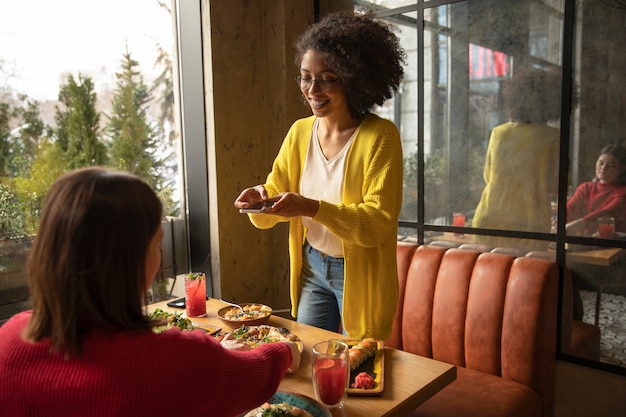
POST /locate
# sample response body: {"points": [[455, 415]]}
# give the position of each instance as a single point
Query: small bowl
{"points": [[252, 320]]}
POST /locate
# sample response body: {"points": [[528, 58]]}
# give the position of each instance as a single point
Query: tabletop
{"points": [[598, 256], [409, 379], [592, 256]]}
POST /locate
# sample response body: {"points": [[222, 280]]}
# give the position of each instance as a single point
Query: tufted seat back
{"points": [[487, 312]]}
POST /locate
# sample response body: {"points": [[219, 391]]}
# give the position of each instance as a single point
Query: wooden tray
{"points": [[374, 366]]}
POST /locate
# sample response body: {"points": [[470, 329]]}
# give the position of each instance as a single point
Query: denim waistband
{"points": [[311, 249]]}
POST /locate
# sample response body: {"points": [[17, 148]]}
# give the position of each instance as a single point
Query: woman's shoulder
{"points": [[303, 123], [374, 120], [16, 322]]}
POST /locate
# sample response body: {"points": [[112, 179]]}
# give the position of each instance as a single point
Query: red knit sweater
{"points": [[136, 374], [592, 200]]}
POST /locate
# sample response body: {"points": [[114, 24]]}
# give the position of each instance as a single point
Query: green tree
{"points": [[11, 219], [31, 189], [77, 131], [133, 140], [26, 138], [5, 134]]}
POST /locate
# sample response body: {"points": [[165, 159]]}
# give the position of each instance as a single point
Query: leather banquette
{"points": [[492, 315]]}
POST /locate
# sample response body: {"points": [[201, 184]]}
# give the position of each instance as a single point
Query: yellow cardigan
{"points": [[366, 221]]}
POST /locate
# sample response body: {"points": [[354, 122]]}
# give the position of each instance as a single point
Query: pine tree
{"points": [[5, 133], [18, 146], [31, 128], [133, 140], [77, 131]]}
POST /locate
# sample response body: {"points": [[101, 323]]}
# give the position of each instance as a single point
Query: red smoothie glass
{"points": [[331, 372], [195, 294], [458, 219], [606, 227]]}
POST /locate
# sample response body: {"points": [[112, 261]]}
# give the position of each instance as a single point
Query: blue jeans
{"points": [[321, 289]]}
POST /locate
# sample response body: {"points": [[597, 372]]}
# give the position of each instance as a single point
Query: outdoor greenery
{"points": [[33, 154]]}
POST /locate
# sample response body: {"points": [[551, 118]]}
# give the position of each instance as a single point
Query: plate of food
{"points": [[285, 404], [255, 336], [250, 314], [367, 370], [177, 320]]}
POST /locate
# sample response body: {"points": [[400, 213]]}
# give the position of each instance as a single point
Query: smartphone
{"points": [[180, 303], [262, 207]]}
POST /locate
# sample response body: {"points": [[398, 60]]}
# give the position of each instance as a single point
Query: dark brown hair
{"points": [[619, 152], [86, 268], [363, 52]]}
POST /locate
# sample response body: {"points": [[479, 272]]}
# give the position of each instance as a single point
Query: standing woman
{"points": [[521, 166], [337, 179]]}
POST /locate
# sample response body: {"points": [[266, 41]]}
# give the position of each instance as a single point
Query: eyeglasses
{"points": [[306, 83]]}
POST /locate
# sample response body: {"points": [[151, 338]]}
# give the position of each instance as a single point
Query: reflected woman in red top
{"points": [[605, 196]]}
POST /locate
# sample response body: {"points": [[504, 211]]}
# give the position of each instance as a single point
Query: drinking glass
{"points": [[458, 219], [195, 294], [606, 227], [331, 372]]}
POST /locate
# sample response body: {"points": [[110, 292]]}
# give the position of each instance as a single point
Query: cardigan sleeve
{"points": [[286, 169]]}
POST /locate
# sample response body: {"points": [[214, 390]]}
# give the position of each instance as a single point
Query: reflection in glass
{"points": [[599, 302], [470, 51], [602, 197], [489, 151], [525, 144]]}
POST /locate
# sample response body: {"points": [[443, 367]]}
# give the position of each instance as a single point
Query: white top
{"points": [[322, 179]]}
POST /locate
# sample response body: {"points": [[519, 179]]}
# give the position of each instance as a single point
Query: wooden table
{"points": [[595, 256], [409, 379], [601, 256]]}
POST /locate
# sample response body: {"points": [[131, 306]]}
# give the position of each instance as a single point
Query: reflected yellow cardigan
{"points": [[366, 221]]}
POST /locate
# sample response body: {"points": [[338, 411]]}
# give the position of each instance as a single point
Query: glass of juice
{"points": [[331, 370], [458, 219], [606, 227], [195, 294]]}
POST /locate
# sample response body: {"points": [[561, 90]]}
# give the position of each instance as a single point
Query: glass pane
{"points": [[598, 302], [62, 63], [596, 204], [492, 105], [386, 4], [402, 109]]}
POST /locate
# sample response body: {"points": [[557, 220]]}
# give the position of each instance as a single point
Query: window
{"points": [[83, 52], [503, 112]]}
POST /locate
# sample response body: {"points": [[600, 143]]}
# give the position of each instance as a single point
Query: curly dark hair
{"points": [[533, 96], [363, 52]]}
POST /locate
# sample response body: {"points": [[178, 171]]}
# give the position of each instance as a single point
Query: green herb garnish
{"points": [[196, 275]]}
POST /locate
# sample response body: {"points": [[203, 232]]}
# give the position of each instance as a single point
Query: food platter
{"points": [[374, 366], [250, 314], [177, 320], [255, 336], [311, 406]]}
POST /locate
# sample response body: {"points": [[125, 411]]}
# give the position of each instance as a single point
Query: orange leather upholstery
{"points": [[492, 315], [577, 337]]}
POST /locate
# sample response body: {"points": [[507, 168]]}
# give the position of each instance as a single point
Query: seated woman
{"points": [[605, 196], [87, 348]]}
